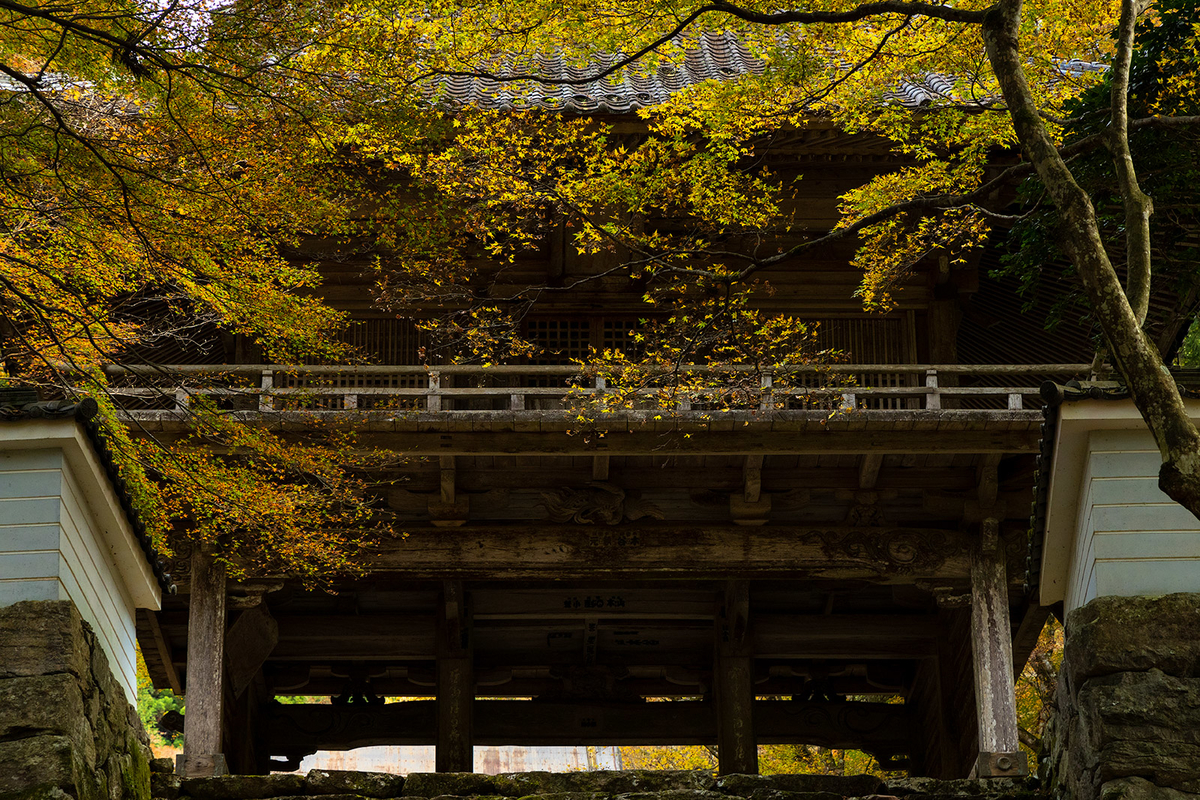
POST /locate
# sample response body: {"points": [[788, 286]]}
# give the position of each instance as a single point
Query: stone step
{"points": [[601, 785]]}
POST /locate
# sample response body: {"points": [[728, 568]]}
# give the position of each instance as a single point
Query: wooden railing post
{"points": [[932, 398], [264, 397], [433, 401], [202, 756], [767, 400]]}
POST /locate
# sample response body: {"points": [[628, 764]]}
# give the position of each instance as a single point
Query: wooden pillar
{"points": [[455, 683], [733, 684], [991, 646], [202, 722]]}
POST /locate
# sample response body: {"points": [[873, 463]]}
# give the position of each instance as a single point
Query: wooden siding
{"points": [[50, 549], [1132, 539]]}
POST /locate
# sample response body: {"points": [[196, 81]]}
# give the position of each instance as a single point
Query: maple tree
{"points": [[157, 162], [1015, 69]]}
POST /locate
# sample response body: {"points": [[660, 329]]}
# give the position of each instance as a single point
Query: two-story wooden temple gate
{"points": [[853, 578]]}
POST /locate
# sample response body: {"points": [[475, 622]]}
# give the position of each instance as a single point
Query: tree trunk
{"points": [[1136, 358]]}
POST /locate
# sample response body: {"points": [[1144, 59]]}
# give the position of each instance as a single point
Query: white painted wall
{"points": [[63, 537], [1110, 531]]}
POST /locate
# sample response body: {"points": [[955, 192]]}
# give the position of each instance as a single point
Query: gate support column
{"points": [[202, 723], [733, 684], [991, 646], [455, 683]]}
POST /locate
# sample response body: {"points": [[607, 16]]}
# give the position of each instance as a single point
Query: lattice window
{"points": [[561, 341], [386, 341], [877, 340]]}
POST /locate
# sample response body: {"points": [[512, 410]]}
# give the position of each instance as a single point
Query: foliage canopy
{"points": [[161, 164]]}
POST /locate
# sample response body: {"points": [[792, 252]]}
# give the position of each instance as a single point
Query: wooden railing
{"points": [[470, 388]]}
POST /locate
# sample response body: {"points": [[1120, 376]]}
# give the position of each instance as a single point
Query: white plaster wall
{"points": [[1131, 539], [52, 548]]}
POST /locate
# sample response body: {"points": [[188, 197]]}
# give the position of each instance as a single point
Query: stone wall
{"points": [[625, 785], [1127, 716], [66, 727]]}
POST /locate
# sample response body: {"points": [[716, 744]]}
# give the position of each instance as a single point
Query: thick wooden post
{"points": [[733, 685], [455, 684], [202, 756], [991, 646]]}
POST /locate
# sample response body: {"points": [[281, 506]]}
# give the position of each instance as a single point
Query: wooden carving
{"points": [[897, 551], [600, 502]]}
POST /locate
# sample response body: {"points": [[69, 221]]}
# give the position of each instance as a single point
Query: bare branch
{"points": [[856, 14]]}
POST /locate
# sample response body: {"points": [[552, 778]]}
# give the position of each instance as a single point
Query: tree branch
{"points": [[1138, 205], [856, 14]]}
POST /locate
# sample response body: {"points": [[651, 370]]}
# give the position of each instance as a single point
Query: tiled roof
{"points": [[714, 56], [17, 405]]}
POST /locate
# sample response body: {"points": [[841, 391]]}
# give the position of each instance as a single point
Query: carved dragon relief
{"points": [[600, 502], [895, 551]]}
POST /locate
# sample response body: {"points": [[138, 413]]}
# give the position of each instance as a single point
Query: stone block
{"points": [[45, 705], [39, 762], [165, 766], [42, 638], [568, 796], [367, 784], [843, 785], [243, 787], [1140, 789], [1133, 634], [1143, 725], [608, 782], [164, 785], [458, 784], [674, 794]]}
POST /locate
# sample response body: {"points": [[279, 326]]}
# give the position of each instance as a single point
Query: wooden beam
{"points": [[846, 636], [454, 749], [520, 687], [733, 684], [532, 642], [879, 728], [441, 439], [991, 648], [562, 552], [1028, 632], [202, 756], [164, 652]]}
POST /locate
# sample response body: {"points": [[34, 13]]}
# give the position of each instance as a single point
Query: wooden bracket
{"points": [[449, 478], [752, 479], [868, 470], [744, 512], [600, 468], [989, 480], [248, 644], [447, 508]]}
